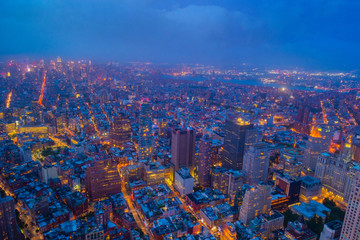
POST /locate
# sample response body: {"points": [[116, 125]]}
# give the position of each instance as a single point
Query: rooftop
{"points": [[334, 225]]}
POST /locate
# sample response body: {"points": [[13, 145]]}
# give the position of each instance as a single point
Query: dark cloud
{"points": [[312, 34]]}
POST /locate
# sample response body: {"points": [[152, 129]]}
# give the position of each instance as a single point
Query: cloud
{"points": [[318, 33]]}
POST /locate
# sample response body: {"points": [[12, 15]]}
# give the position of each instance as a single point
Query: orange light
{"points": [[42, 92], [8, 100]]}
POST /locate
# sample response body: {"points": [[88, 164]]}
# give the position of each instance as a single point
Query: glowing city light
{"points": [[8, 100], [42, 92]]}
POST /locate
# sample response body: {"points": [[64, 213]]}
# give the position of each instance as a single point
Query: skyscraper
{"points": [[102, 179], [257, 201], [317, 144], [351, 226], [204, 165], [8, 227], [145, 134], [336, 176], [303, 115], [120, 131], [183, 149], [238, 134], [302, 120], [256, 163]]}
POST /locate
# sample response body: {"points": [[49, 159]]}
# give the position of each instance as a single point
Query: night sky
{"points": [[315, 34]]}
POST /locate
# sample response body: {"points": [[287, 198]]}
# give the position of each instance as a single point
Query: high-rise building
{"points": [[145, 132], [336, 176], [355, 150], [102, 179], [120, 131], [25, 154], [256, 163], [204, 165], [183, 149], [345, 151], [351, 226], [318, 142], [8, 227], [238, 134], [303, 115], [302, 120], [257, 201], [163, 128], [227, 181], [49, 172]]}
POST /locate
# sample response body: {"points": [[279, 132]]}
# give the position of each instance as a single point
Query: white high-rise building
{"points": [[184, 182], [257, 201], [256, 163], [351, 226]]}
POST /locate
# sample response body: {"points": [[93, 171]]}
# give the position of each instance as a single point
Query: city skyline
{"points": [[147, 151], [179, 120]]}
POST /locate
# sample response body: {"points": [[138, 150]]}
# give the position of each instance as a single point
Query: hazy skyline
{"points": [[318, 34]]}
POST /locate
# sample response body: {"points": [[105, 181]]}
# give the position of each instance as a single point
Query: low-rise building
{"points": [[265, 224], [310, 210], [205, 198], [299, 231], [331, 231], [215, 216], [184, 182], [310, 188]]}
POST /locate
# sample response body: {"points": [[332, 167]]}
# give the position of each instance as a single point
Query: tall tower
{"points": [[120, 131], [316, 145], [351, 226], [256, 163], [303, 120], [145, 134], [8, 227], [204, 166], [257, 201], [303, 115], [238, 134], [183, 148]]}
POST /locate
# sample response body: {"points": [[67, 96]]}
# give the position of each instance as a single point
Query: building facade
{"points": [[8, 227], [331, 231], [237, 132], [351, 227], [145, 132], [184, 182], [256, 163], [257, 201], [120, 131], [102, 179], [204, 165], [336, 176], [183, 149]]}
